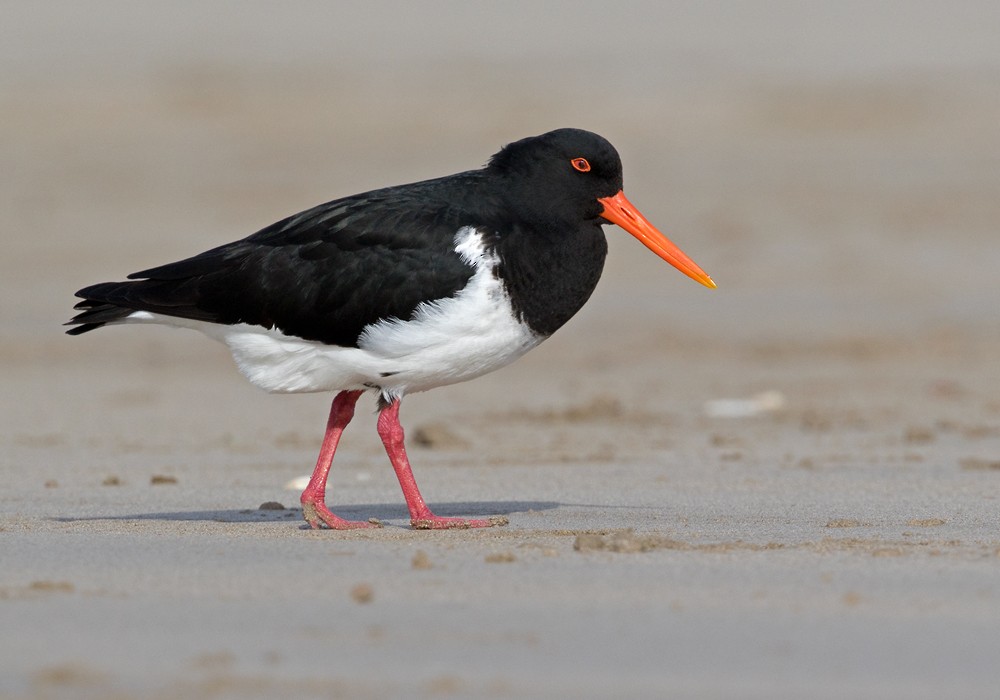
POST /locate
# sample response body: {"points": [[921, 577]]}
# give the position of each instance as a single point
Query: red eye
{"points": [[580, 164]]}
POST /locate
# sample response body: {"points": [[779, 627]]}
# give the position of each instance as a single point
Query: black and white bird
{"points": [[401, 289]]}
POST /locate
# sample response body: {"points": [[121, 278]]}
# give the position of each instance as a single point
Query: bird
{"points": [[401, 289]]}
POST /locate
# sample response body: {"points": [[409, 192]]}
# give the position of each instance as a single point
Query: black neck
{"points": [[550, 275]]}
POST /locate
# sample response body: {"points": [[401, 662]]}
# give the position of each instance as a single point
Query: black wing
{"points": [[323, 274]]}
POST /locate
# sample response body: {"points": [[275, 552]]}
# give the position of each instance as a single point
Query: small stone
{"points": [[363, 593], [851, 599], [421, 560], [162, 479], [438, 436], [500, 558], [111, 481], [270, 505]]}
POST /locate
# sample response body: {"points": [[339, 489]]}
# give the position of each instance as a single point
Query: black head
{"points": [[566, 177], [559, 176]]}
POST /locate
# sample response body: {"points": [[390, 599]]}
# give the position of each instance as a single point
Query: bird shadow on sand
{"points": [[382, 511]]}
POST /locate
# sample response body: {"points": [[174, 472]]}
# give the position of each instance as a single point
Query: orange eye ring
{"points": [[580, 164]]}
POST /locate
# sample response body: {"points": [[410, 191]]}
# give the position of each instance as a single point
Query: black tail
{"points": [[95, 309], [95, 314]]}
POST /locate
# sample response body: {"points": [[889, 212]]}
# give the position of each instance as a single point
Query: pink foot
{"points": [[317, 512], [421, 517], [313, 499], [436, 522]]}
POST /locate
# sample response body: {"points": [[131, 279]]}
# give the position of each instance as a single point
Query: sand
{"points": [[784, 488]]}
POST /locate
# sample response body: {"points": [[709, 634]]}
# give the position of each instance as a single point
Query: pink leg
{"points": [[421, 516], [313, 499]]}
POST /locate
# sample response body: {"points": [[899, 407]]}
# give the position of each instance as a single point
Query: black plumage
{"points": [[328, 272], [323, 274]]}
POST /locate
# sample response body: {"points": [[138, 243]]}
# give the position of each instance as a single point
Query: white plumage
{"points": [[446, 341]]}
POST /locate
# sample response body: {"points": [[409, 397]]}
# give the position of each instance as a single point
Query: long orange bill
{"points": [[618, 210]]}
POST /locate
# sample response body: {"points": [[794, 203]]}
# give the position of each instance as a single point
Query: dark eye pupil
{"points": [[581, 164]]}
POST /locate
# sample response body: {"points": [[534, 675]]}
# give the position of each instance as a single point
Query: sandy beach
{"points": [[788, 487]]}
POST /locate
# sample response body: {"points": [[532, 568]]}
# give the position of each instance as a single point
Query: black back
{"points": [[328, 272]]}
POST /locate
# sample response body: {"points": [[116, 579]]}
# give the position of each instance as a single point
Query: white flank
{"points": [[447, 341]]}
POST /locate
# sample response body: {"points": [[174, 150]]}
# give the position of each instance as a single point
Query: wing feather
{"points": [[323, 274]]}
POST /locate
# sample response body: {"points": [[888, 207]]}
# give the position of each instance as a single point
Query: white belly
{"points": [[447, 341]]}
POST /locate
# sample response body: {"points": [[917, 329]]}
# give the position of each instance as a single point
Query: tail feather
{"points": [[98, 307], [94, 314]]}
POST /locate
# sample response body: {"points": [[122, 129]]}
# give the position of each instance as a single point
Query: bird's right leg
{"points": [[313, 499]]}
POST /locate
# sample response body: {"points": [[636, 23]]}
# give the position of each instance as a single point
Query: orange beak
{"points": [[618, 210]]}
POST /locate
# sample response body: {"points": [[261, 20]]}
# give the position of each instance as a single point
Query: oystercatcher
{"points": [[401, 289]]}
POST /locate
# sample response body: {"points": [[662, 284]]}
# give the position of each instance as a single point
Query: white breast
{"points": [[447, 341]]}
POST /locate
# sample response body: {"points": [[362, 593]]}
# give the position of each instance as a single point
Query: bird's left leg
{"points": [[421, 517]]}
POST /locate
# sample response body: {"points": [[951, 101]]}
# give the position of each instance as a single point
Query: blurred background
{"points": [[834, 166]]}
